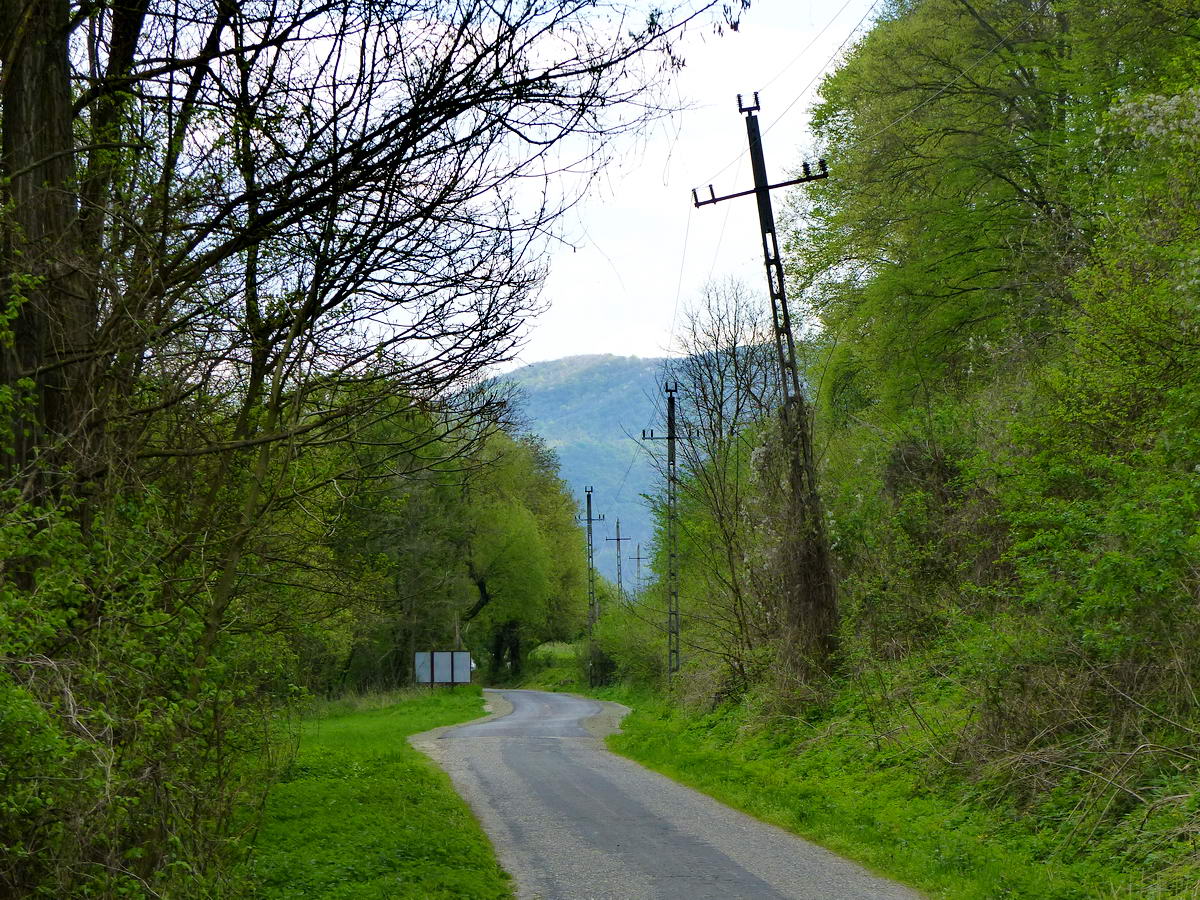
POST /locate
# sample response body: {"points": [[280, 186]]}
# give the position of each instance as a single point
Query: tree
{"points": [[236, 238], [728, 387]]}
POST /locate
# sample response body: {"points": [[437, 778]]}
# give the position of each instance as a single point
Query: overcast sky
{"points": [[639, 243]]}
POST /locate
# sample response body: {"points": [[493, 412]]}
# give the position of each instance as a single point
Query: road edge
{"points": [[495, 706]]}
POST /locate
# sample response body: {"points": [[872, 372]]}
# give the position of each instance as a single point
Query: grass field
{"points": [[360, 815]]}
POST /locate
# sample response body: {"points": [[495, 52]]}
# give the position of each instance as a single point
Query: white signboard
{"points": [[423, 668], [442, 667], [462, 667]]}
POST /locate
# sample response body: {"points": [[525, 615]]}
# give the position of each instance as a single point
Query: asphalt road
{"points": [[572, 821]]}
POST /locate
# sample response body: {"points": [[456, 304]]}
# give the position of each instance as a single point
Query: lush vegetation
{"points": [[257, 263], [358, 813], [249, 451], [477, 546], [872, 802], [1004, 370]]}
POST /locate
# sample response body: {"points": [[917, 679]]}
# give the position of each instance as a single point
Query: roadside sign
{"points": [[442, 667]]}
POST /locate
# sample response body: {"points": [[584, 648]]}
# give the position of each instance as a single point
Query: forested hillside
{"points": [[1004, 358], [591, 411]]}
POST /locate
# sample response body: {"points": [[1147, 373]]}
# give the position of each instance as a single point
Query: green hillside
{"points": [[590, 409]]}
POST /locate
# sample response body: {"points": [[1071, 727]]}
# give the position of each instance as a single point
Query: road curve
{"points": [[572, 821]]}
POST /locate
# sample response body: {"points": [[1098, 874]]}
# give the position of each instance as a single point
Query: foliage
{"points": [[878, 804], [359, 813], [90, 740], [256, 263], [1000, 280], [556, 665]]}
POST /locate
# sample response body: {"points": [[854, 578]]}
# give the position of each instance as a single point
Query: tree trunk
{"points": [[45, 289], [810, 594]]}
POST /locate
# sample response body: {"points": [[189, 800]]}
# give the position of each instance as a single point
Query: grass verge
{"points": [[829, 784], [360, 814]]}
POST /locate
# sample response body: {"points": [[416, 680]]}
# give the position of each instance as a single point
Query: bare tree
{"points": [[234, 235], [728, 387], [234, 229], [232, 198]]}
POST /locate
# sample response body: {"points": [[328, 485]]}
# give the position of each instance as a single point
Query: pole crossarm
{"points": [[809, 175], [810, 589], [619, 539], [639, 559], [785, 341]]}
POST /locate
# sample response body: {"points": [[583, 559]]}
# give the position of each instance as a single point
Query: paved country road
{"points": [[572, 821]]}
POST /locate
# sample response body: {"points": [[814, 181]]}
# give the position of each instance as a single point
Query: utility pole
{"points": [[639, 559], [785, 344], [811, 613], [670, 388], [618, 539], [593, 604]]}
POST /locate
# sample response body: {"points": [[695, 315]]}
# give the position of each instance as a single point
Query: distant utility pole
{"points": [[639, 559], [812, 612], [670, 388], [593, 604], [618, 539]]}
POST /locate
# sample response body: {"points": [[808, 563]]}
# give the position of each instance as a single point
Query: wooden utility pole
{"points": [[618, 539], [810, 601], [670, 388]]}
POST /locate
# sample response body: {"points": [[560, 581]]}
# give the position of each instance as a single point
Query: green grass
{"points": [[360, 814], [881, 807], [552, 666]]}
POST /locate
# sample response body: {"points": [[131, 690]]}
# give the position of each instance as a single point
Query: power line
{"points": [[679, 282], [628, 468], [720, 241], [820, 72], [820, 34], [619, 539]]}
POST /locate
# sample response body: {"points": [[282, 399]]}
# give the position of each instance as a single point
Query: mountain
{"points": [[589, 410]]}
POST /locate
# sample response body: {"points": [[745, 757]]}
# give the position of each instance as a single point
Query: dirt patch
{"points": [[607, 721]]}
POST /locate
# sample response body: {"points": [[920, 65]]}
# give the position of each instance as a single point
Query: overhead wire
{"points": [[725, 220], [628, 469], [720, 240], [687, 231], [795, 59], [786, 110], [820, 72]]}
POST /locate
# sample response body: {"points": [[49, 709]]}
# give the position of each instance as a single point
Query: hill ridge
{"points": [[589, 409]]}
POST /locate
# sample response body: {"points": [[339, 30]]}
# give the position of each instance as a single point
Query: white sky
{"points": [[639, 242]]}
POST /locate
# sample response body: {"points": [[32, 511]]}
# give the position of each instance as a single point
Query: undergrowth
{"points": [[873, 784], [876, 803]]}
